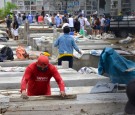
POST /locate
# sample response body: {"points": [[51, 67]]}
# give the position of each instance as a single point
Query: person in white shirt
{"points": [[71, 23], [49, 20], [45, 19], [102, 20], [82, 22], [88, 25]]}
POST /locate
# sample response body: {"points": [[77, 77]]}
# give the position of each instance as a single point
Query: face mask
{"points": [[42, 70]]}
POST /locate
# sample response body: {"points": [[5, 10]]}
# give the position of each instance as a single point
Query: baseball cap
{"points": [[130, 91]]}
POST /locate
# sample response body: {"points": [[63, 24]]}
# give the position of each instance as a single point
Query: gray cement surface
{"points": [[85, 104], [84, 47]]}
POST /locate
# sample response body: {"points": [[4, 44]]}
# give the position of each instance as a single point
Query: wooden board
{"points": [[36, 98]]}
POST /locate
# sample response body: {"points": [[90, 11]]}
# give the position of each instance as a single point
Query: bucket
{"points": [[82, 32]]}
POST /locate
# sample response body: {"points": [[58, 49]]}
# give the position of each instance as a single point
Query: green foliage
{"points": [[7, 10]]}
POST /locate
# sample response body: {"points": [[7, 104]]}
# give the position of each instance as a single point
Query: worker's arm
{"points": [[24, 82], [59, 81], [76, 47], [56, 43]]}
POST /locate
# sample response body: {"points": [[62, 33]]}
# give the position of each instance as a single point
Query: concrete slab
{"points": [[93, 42], [85, 104], [100, 46], [9, 43], [23, 63], [33, 35], [12, 47], [71, 80], [16, 74]]}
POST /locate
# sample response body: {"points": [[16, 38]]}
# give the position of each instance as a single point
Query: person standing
{"points": [[41, 20], [71, 23], [24, 18], [58, 21], [30, 18], [36, 17], [102, 20], [19, 19], [65, 18], [8, 22], [37, 76], [15, 29], [97, 25], [53, 19], [66, 44], [82, 22], [77, 25], [107, 25]]}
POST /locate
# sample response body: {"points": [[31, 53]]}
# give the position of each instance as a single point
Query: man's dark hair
{"points": [[66, 29]]}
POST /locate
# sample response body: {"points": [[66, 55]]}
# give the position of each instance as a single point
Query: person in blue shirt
{"points": [[30, 18], [58, 21], [66, 44]]}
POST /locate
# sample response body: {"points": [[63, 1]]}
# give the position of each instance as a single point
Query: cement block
{"points": [[91, 47], [23, 63], [71, 80]]}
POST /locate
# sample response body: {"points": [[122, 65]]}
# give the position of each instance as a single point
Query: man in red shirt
{"points": [[36, 78]]}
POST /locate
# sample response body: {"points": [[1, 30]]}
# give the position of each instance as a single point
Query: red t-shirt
{"points": [[38, 83], [40, 19]]}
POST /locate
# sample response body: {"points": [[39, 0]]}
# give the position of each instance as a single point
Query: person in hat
{"points": [[37, 76], [66, 45], [130, 91]]}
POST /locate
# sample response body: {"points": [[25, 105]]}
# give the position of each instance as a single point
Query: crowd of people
{"points": [[96, 25]]}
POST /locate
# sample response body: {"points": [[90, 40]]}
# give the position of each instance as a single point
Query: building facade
{"points": [[3, 2], [73, 6]]}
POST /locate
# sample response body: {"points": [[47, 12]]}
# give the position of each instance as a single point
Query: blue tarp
{"points": [[115, 66]]}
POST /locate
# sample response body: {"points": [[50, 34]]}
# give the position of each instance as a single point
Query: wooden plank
{"points": [[35, 98]]}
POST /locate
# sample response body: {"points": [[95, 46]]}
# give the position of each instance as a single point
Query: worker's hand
{"points": [[80, 52], [62, 93], [24, 95]]}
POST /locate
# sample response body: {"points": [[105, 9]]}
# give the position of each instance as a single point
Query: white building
{"points": [[72, 6], [3, 2]]}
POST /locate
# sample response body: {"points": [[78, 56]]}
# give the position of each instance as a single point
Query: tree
{"points": [[7, 9]]}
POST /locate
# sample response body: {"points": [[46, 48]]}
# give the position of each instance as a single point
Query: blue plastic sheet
{"points": [[115, 66]]}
